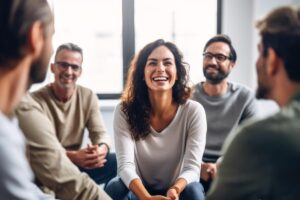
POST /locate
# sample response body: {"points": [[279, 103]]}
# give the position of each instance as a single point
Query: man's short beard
{"points": [[216, 79], [262, 93], [39, 67], [37, 75]]}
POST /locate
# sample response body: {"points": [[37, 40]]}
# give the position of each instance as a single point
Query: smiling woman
{"points": [[156, 126], [160, 70]]}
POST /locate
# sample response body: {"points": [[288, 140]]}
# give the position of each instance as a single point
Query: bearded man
{"points": [[226, 104]]}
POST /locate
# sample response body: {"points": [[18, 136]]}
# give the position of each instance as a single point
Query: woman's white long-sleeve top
{"points": [[162, 157]]}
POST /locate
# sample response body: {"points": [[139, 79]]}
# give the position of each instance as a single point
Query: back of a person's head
{"points": [[225, 39], [280, 30], [16, 19]]}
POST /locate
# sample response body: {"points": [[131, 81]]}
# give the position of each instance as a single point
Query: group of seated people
{"points": [[172, 141]]}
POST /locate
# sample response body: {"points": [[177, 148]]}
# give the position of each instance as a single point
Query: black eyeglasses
{"points": [[219, 57], [65, 65]]}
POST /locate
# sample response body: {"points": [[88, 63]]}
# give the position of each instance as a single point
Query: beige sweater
{"points": [[72, 117]]}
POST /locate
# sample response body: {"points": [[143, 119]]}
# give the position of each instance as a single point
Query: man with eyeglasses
{"points": [[226, 104], [69, 109]]}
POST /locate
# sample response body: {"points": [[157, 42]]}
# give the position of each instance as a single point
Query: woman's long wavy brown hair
{"points": [[135, 99]]}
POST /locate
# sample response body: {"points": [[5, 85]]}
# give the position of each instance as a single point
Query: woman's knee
{"points": [[193, 191], [116, 189]]}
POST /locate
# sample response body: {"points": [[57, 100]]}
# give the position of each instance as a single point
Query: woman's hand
{"points": [[208, 171], [172, 194]]}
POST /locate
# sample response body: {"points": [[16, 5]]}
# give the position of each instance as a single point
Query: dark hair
{"points": [[280, 30], [135, 100], [226, 39], [16, 19], [70, 47]]}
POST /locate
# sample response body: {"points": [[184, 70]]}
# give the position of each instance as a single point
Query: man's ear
{"points": [[52, 65], [36, 39], [273, 62], [232, 65]]}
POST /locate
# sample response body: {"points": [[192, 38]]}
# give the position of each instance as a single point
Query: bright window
{"points": [[96, 26]]}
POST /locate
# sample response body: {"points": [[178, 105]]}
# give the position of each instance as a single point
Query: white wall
{"points": [[107, 108], [238, 21]]}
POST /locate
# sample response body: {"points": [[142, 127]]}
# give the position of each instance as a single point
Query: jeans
{"points": [[103, 174], [206, 184], [117, 190]]}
